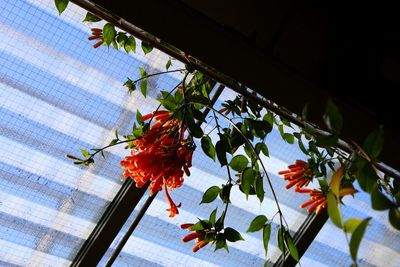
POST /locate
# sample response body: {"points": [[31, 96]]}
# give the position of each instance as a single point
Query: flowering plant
{"points": [[162, 144]]}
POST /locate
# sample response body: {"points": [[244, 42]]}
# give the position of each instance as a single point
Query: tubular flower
{"points": [[162, 155], [298, 174], [97, 34], [318, 200], [199, 237]]}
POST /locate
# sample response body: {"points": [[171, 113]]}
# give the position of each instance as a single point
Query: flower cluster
{"points": [[298, 174], [97, 34], [162, 155], [199, 237]]}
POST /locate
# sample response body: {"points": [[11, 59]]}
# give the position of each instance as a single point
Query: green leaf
{"points": [[288, 138], [168, 101], [213, 215], [199, 226], [332, 117], [333, 210], [327, 140], [221, 243], [259, 187], [257, 223], [379, 201], [211, 194], [121, 39], [139, 117], [221, 152], [239, 163], [394, 217], [248, 177], [61, 5], [232, 235], [269, 117], [280, 237], [85, 153], [351, 224], [373, 144], [146, 47], [225, 193], [264, 150], [109, 33], [143, 87], [356, 238], [366, 176], [168, 64], [266, 237], [208, 147], [91, 18], [193, 127], [130, 45], [291, 246]]}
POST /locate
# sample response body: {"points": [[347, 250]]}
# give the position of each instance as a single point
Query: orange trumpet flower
{"points": [[298, 174]]}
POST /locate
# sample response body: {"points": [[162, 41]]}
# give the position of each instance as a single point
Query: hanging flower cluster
{"points": [[199, 237], [97, 34], [298, 174], [161, 155]]}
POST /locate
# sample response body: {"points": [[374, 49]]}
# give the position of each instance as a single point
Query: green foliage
{"points": [[146, 47], [130, 44], [379, 201], [143, 81], [208, 147], [109, 34], [220, 148], [266, 237], [333, 210], [211, 194], [168, 64], [247, 179], [239, 163], [394, 217], [356, 238], [91, 18], [333, 118], [257, 223], [259, 187], [373, 144], [61, 5], [213, 215], [351, 224], [225, 193], [193, 127], [232, 235], [291, 246]]}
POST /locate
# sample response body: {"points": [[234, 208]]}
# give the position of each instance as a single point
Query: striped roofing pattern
{"points": [[57, 95]]}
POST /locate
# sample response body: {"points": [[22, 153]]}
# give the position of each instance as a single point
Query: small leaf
{"points": [[336, 179], [332, 117], [264, 150], [91, 18], [221, 243], [356, 238], [169, 63], [130, 45], [208, 147], [266, 237], [280, 237], [373, 144], [61, 5], [259, 188], [394, 217], [213, 216], [351, 224], [291, 246], [199, 226], [211, 194], [257, 223], [139, 117], [239, 163], [121, 39], [109, 33], [248, 177], [232, 235], [146, 47], [288, 138], [143, 87], [221, 152], [225, 193], [379, 201], [85, 153], [194, 128], [333, 210]]}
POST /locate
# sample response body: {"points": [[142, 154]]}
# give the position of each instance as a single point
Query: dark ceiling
{"points": [[292, 52]]}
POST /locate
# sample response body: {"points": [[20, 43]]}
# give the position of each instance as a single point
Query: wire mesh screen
{"points": [[57, 95], [157, 239]]}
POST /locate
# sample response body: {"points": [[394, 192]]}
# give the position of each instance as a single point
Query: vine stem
{"points": [[155, 74]]}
